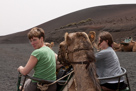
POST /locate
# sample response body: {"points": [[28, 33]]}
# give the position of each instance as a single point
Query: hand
{"points": [[58, 65], [20, 67]]}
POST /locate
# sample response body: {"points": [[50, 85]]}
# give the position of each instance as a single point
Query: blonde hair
{"points": [[36, 32]]}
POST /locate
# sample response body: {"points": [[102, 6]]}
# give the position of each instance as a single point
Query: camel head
{"points": [[62, 54], [77, 50], [73, 43], [115, 45], [50, 45], [92, 36]]}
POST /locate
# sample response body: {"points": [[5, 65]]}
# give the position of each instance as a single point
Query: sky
{"points": [[20, 15]]}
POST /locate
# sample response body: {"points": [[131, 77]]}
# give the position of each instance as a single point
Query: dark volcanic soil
{"points": [[14, 55]]}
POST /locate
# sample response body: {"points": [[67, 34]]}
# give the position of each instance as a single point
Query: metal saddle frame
{"points": [[61, 82], [119, 76]]}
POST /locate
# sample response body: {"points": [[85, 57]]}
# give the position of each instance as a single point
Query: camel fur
{"points": [[50, 45], [92, 37], [77, 48], [126, 47]]}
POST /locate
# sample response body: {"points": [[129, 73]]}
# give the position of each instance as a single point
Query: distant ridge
{"points": [[113, 18]]}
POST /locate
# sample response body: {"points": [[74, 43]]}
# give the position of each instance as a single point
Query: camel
{"points": [[126, 47], [50, 45], [92, 36], [76, 50], [116, 46]]}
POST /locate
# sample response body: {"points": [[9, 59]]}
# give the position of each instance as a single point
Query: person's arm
{"points": [[100, 55], [29, 66], [56, 56]]}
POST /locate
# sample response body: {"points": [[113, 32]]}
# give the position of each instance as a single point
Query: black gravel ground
{"points": [[14, 55]]}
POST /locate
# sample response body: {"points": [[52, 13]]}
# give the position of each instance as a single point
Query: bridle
{"points": [[77, 50]]}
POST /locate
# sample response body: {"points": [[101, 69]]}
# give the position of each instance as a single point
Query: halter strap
{"points": [[82, 62], [75, 50]]}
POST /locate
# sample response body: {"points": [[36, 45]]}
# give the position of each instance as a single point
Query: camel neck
{"points": [[83, 79]]}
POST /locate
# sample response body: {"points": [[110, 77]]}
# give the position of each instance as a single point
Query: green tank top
{"points": [[46, 65]]}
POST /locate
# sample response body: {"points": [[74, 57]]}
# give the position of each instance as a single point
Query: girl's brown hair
{"points": [[36, 32], [104, 36]]}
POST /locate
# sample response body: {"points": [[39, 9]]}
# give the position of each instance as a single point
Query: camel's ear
{"points": [[67, 38], [52, 44]]}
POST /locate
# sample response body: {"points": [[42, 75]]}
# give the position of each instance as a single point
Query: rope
{"points": [[45, 86]]}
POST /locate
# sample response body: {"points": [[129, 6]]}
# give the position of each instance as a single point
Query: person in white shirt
{"points": [[107, 63]]}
